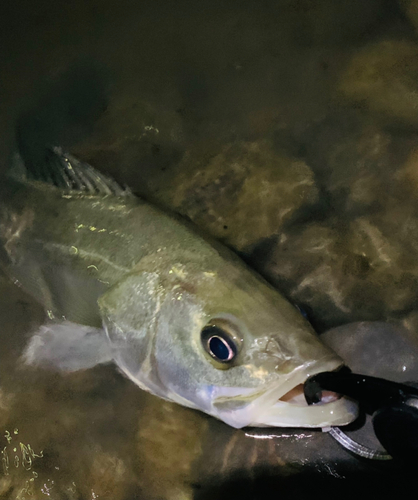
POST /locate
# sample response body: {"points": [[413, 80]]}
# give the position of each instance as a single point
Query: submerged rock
{"points": [[357, 168], [137, 138], [345, 271], [410, 8], [242, 194], [383, 78], [168, 443], [379, 349]]}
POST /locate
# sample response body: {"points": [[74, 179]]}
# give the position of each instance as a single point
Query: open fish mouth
{"points": [[297, 396], [291, 409]]}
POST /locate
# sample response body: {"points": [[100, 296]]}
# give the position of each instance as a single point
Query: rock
{"points": [[243, 194], [136, 139], [106, 476], [378, 349], [410, 8], [407, 174], [306, 265], [350, 271], [169, 441], [393, 274], [360, 168], [383, 78], [353, 160]]}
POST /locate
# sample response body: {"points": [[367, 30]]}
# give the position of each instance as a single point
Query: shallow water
{"points": [[285, 129]]}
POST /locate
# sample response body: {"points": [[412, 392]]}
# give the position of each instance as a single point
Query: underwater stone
{"points": [[375, 348], [383, 78], [346, 271], [410, 8], [136, 139], [407, 174], [243, 194], [359, 166], [352, 159], [168, 443], [307, 265]]}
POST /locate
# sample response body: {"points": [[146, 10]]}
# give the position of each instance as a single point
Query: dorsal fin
{"points": [[65, 171]]}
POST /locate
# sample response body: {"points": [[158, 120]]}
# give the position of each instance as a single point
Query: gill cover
{"points": [[141, 316]]}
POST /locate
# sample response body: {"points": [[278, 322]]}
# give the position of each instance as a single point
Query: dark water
{"points": [[286, 129]]}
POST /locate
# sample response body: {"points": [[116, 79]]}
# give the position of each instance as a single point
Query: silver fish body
{"points": [[108, 266]]}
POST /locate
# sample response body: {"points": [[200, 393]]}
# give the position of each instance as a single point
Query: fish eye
{"points": [[220, 341]]}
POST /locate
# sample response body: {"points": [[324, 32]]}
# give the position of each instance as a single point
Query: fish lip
{"points": [[263, 408], [287, 414], [309, 370], [300, 390]]}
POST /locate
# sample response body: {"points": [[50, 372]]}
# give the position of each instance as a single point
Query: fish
{"points": [[179, 314]]}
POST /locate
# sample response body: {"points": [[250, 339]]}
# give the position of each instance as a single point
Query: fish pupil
{"points": [[220, 349], [219, 343]]}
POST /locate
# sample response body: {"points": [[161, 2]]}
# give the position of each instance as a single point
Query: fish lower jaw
{"points": [[292, 410], [336, 413]]}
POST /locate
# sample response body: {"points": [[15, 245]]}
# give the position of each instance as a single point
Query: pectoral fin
{"points": [[68, 347]]}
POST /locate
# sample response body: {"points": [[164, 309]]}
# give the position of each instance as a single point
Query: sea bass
{"points": [[180, 315]]}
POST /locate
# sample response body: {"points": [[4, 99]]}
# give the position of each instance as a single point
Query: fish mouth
{"points": [[297, 396], [289, 407]]}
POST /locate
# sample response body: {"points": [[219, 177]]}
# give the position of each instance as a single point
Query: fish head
{"points": [[222, 341]]}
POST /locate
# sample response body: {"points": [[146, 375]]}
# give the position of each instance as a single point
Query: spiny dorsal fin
{"points": [[65, 171]]}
